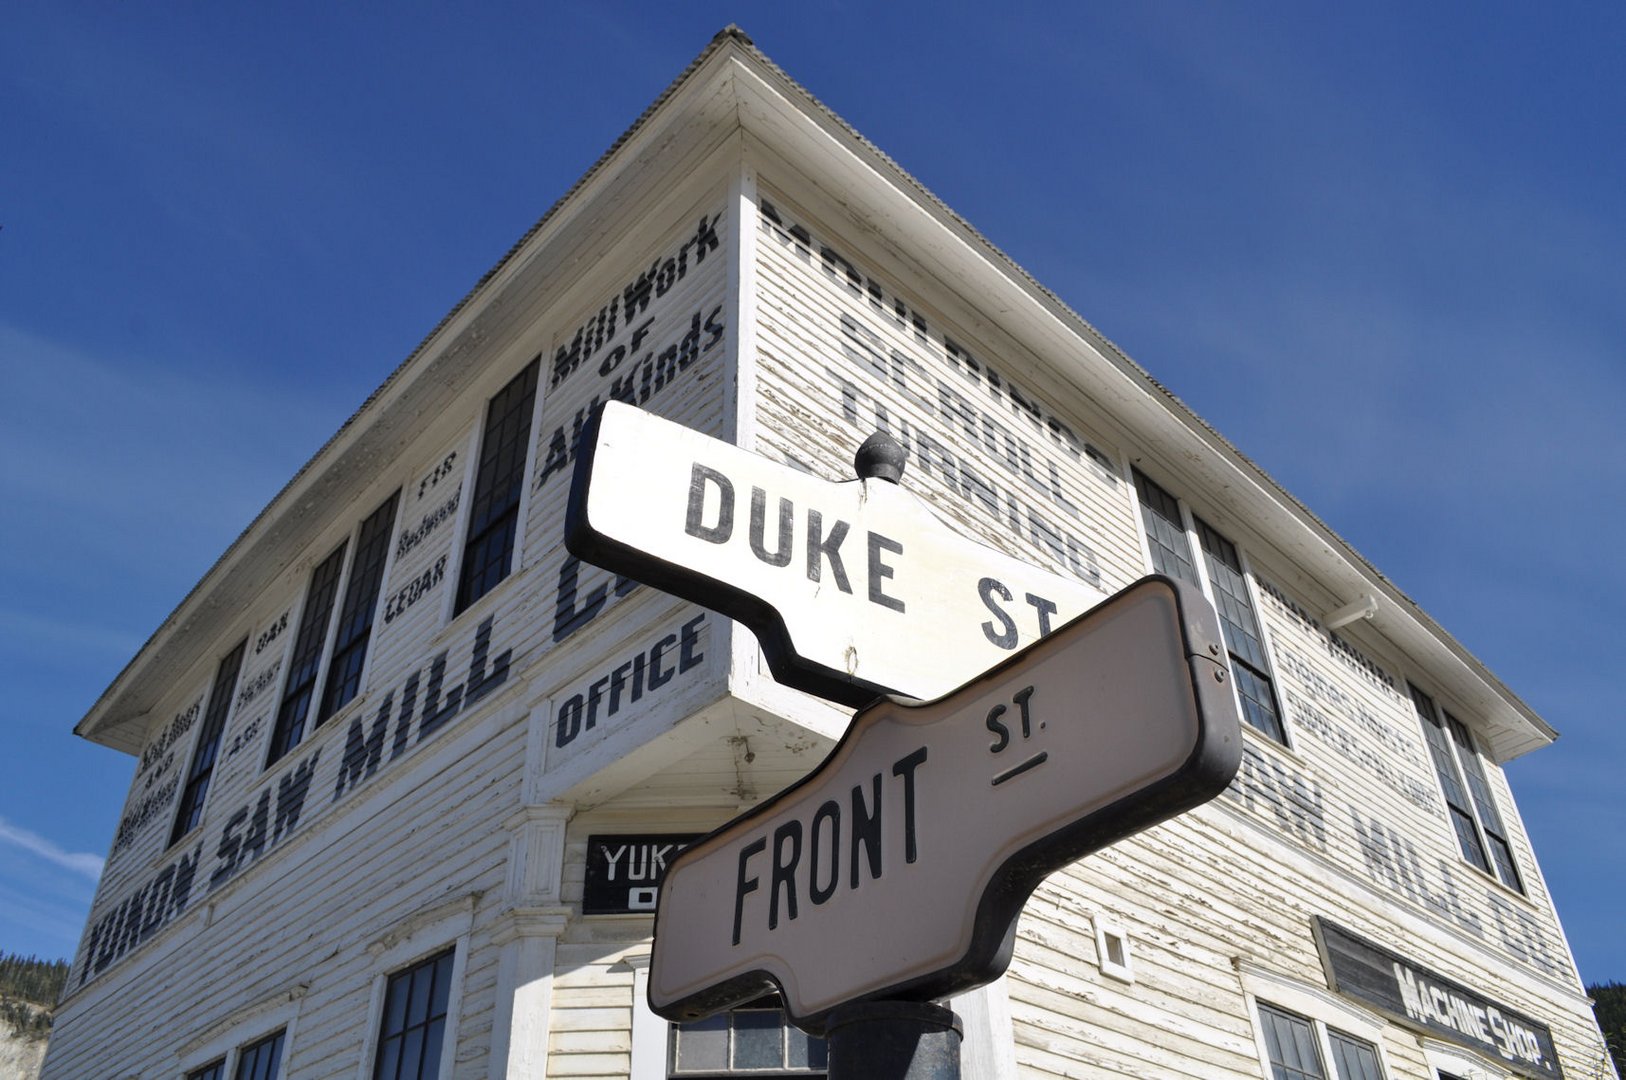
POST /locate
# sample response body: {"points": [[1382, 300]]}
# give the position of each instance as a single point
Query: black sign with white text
{"points": [[1423, 999], [624, 872]]}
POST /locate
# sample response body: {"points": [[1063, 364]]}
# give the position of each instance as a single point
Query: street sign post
{"points": [[854, 589], [897, 869]]}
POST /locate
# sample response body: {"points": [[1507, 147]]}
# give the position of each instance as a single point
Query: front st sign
{"points": [[854, 589], [897, 869]]}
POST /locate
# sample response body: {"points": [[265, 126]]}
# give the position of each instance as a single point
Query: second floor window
{"points": [[499, 481], [190, 811], [1474, 817], [356, 613], [299, 691], [1168, 538]]}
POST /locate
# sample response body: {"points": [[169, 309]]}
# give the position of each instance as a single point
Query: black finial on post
{"points": [[881, 457]]}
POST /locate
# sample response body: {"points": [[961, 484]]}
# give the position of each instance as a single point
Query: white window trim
{"points": [[648, 1030], [1459, 1061], [224, 1040], [418, 939], [1321, 1007]]}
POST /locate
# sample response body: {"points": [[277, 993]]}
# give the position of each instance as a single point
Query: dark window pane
{"points": [[413, 1026], [759, 1039], [1243, 638], [1352, 1058], [212, 1071], [1231, 600], [190, 811], [702, 1044], [259, 1061], [1502, 856], [356, 613], [432, 1036], [1290, 1043], [499, 481], [389, 1059], [411, 1067], [1258, 697], [1490, 820], [753, 1040], [423, 980], [1166, 536], [1456, 797], [306, 660]]}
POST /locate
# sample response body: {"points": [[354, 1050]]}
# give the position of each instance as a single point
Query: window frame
{"points": [[392, 980], [1197, 556], [1321, 1007], [282, 741], [1456, 742], [427, 934], [279, 1038], [988, 1048], [194, 793], [1449, 1061], [355, 616], [477, 526], [769, 1003], [224, 1041]]}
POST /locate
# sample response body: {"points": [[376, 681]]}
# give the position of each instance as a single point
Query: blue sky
{"points": [[1380, 248]]}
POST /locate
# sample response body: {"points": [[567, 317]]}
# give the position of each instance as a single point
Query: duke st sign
{"points": [[854, 589]]}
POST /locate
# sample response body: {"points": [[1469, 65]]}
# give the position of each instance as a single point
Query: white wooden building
{"points": [[406, 772]]}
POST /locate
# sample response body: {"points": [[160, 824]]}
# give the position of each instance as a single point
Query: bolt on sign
{"points": [[853, 589], [898, 868]]}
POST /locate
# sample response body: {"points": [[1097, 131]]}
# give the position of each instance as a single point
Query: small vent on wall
{"points": [[1112, 950]]}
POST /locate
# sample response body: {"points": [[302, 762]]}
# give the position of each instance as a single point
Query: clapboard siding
{"points": [[591, 983], [830, 354], [301, 922]]}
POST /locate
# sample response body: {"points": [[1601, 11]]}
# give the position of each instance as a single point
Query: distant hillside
{"points": [[29, 988], [1609, 1004], [32, 981]]}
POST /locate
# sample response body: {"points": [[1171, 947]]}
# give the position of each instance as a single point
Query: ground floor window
{"points": [[1298, 1048], [752, 1040], [261, 1060], [413, 1028]]}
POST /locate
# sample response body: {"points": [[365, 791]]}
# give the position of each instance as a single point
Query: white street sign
{"points": [[854, 588], [897, 869]]}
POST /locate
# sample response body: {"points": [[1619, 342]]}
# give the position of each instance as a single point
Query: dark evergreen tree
{"points": [[1609, 1005]]}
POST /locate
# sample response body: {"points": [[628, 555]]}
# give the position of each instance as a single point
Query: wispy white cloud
{"points": [[174, 455], [37, 632], [79, 862]]}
